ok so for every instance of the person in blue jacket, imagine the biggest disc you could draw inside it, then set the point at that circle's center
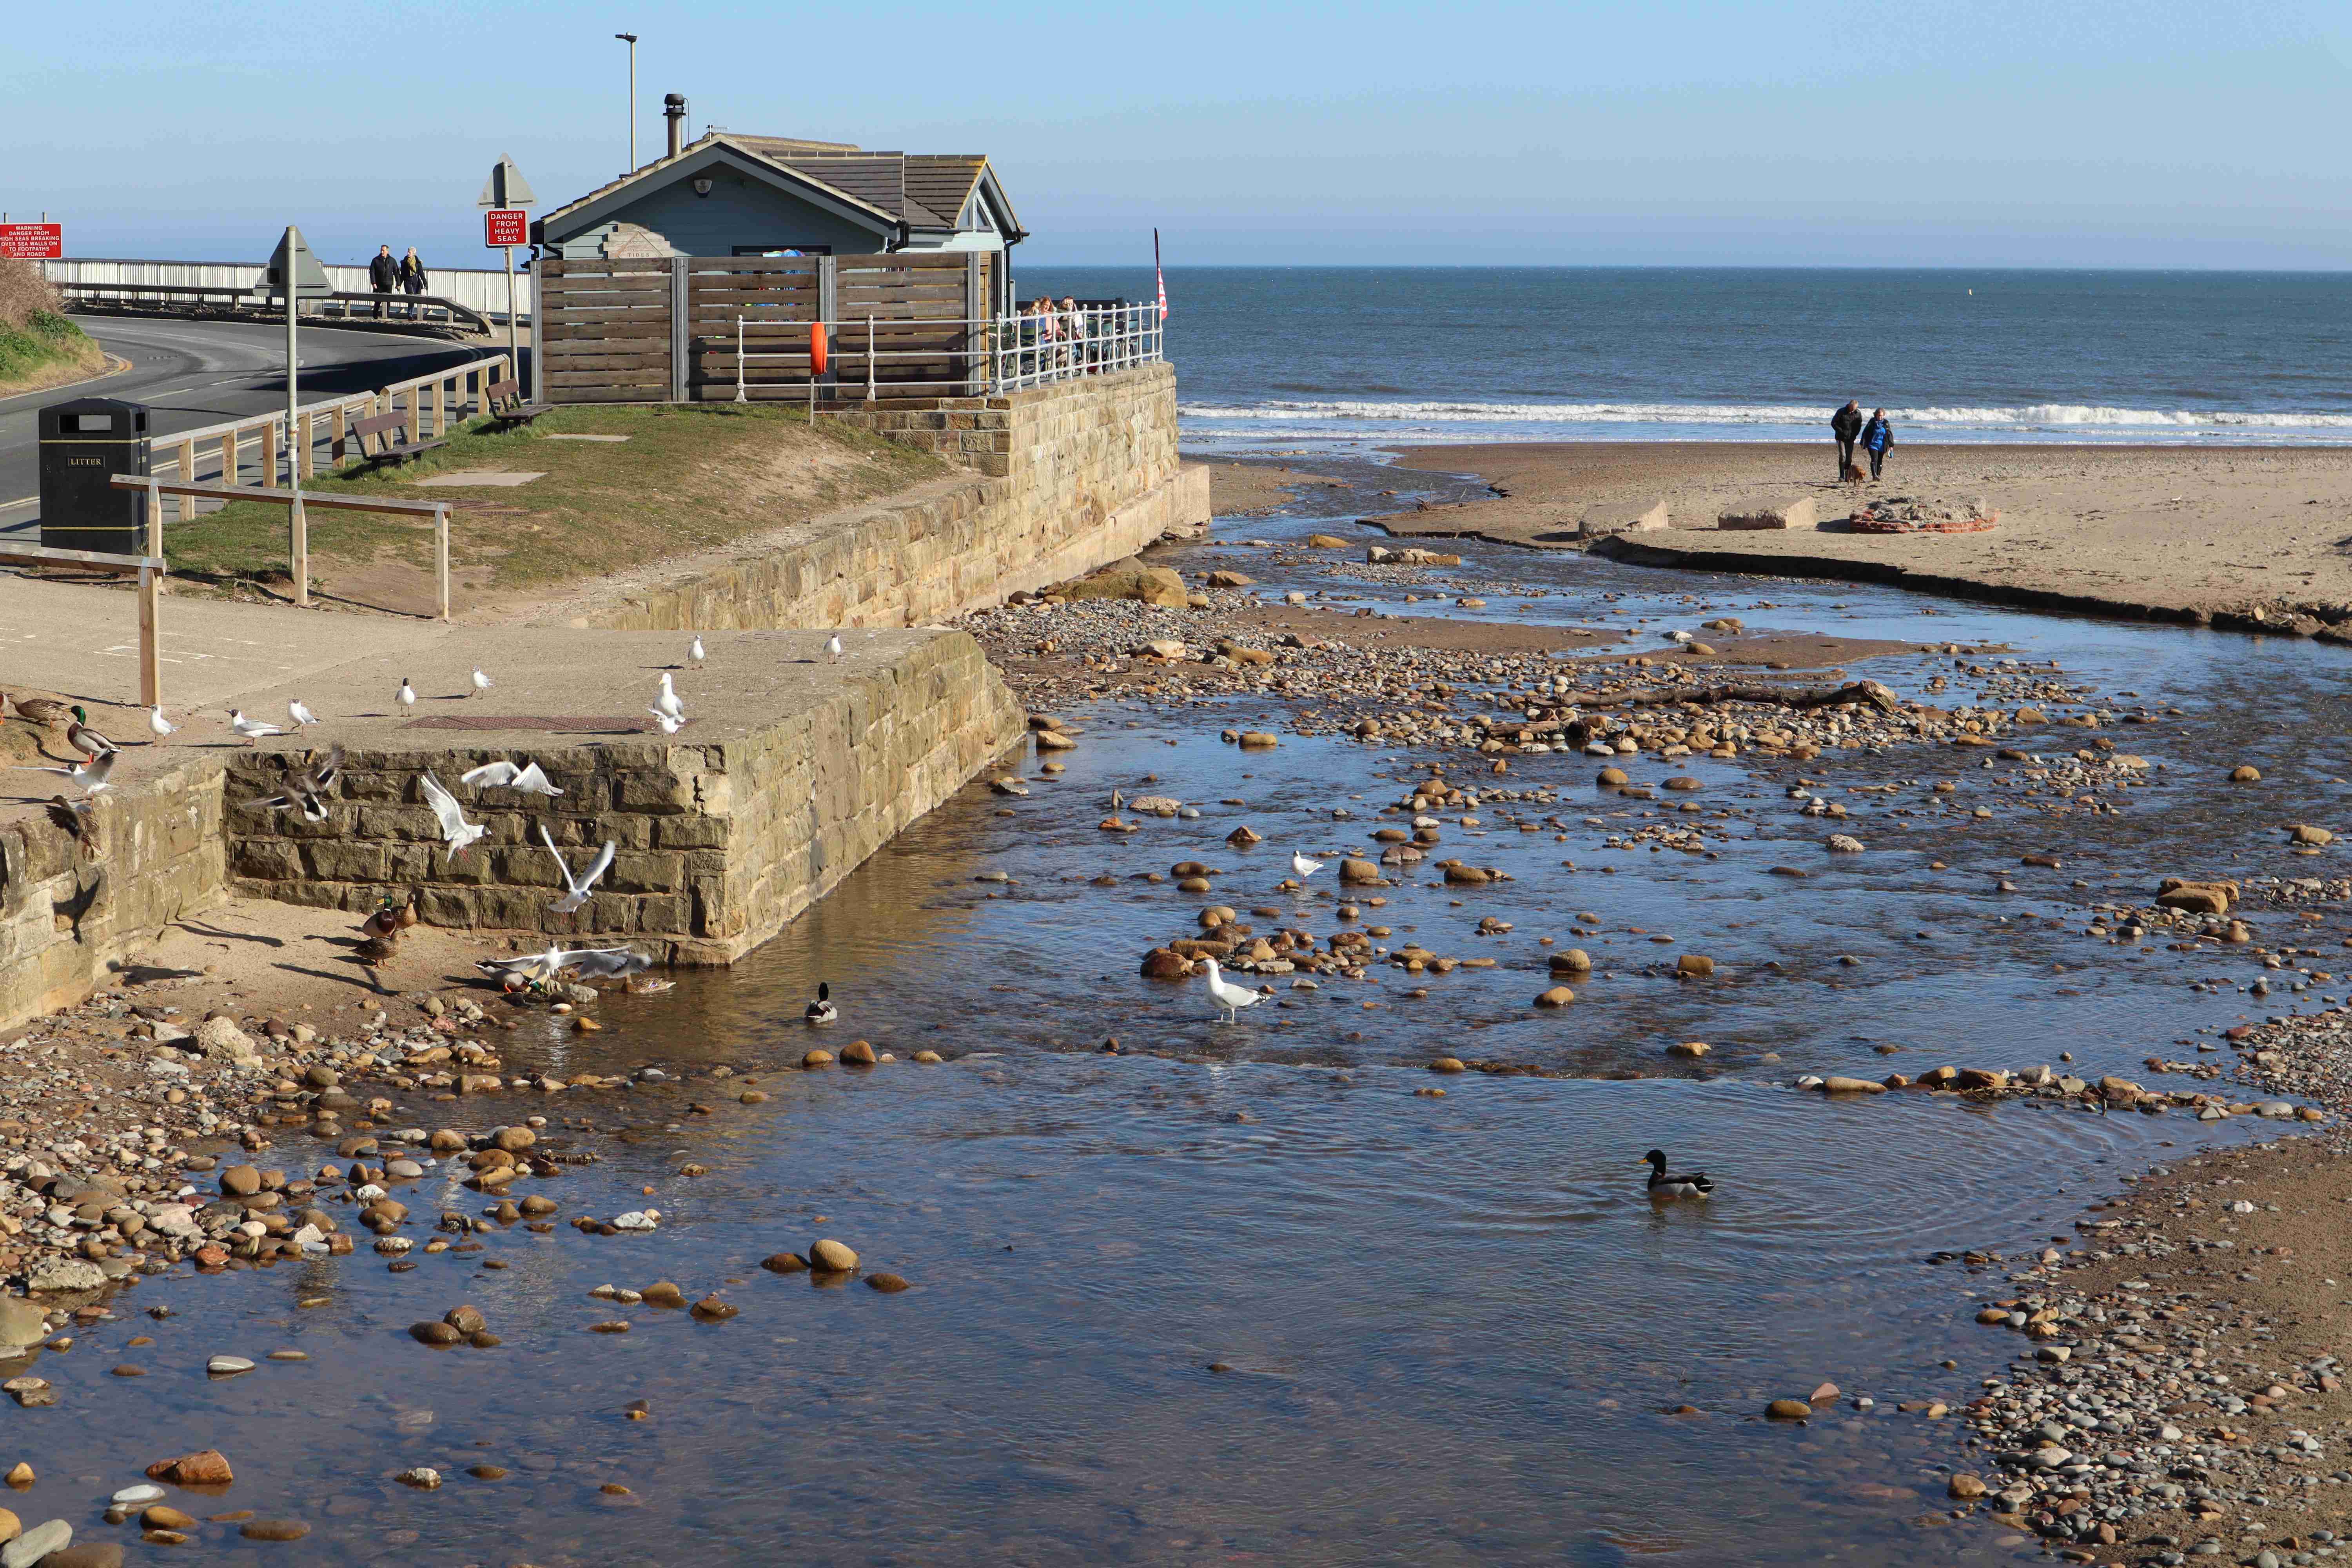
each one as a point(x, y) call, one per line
point(1876, 436)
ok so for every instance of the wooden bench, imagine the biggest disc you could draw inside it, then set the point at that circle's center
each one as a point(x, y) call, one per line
point(506, 407)
point(386, 429)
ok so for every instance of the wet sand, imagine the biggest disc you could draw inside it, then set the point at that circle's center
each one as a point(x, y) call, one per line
point(2165, 531)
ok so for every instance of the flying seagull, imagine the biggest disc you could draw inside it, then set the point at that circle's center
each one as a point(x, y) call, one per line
point(609, 963)
point(300, 711)
point(308, 789)
point(529, 778)
point(482, 682)
point(251, 728)
point(1229, 997)
point(456, 831)
point(90, 775)
point(575, 889)
point(556, 960)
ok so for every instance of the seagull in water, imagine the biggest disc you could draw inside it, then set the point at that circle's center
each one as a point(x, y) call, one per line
point(300, 711)
point(162, 727)
point(456, 831)
point(529, 778)
point(667, 702)
point(695, 653)
point(575, 889)
point(1303, 866)
point(1229, 997)
point(822, 1010)
point(833, 647)
point(481, 682)
point(407, 693)
point(251, 728)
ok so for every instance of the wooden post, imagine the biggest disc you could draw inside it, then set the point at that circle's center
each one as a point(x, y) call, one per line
point(269, 456)
point(310, 456)
point(184, 507)
point(440, 408)
point(441, 555)
point(229, 457)
point(150, 658)
point(337, 423)
point(298, 549)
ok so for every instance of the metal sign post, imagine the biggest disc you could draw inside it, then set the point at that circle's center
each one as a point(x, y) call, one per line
point(294, 272)
point(505, 225)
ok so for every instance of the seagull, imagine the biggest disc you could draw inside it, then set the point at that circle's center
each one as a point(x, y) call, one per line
point(1303, 866)
point(695, 653)
point(833, 647)
point(822, 1010)
point(575, 889)
point(300, 711)
point(90, 775)
point(1230, 997)
point(669, 726)
point(161, 726)
point(308, 789)
point(251, 728)
point(611, 963)
point(85, 740)
point(482, 682)
point(556, 960)
point(456, 831)
point(529, 778)
point(667, 702)
point(407, 693)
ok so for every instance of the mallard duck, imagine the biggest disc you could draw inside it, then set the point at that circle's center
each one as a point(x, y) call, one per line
point(83, 739)
point(822, 1010)
point(1693, 1186)
point(43, 709)
point(385, 922)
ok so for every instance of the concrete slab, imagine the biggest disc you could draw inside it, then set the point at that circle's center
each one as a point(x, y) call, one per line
point(489, 478)
point(552, 437)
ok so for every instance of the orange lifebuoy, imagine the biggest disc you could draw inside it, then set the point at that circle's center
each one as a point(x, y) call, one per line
point(818, 357)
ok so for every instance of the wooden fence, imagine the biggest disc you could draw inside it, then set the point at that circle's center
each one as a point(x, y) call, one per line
point(663, 329)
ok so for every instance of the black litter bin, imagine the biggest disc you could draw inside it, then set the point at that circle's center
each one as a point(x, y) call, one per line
point(84, 444)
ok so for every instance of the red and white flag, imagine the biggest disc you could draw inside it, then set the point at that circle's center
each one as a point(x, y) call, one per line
point(1158, 276)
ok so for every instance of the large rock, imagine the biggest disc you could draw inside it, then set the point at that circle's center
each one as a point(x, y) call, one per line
point(1758, 515)
point(2197, 898)
point(21, 1323)
point(222, 1038)
point(1621, 517)
point(1132, 579)
point(65, 1274)
point(204, 1468)
point(35, 1543)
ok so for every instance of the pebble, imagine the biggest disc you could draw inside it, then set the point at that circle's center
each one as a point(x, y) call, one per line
point(228, 1365)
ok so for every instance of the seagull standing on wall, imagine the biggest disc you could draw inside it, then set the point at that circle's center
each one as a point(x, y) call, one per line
point(481, 682)
point(300, 711)
point(667, 702)
point(164, 728)
point(407, 693)
point(833, 647)
point(251, 728)
point(694, 653)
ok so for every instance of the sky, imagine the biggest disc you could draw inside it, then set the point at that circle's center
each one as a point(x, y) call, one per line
point(2081, 133)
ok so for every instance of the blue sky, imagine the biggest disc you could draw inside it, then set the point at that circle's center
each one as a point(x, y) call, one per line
point(2003, 132)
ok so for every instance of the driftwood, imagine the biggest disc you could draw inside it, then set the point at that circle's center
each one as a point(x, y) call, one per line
point(1868, 694)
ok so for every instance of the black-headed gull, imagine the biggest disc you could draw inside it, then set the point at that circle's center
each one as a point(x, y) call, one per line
point(1303, 866)
point(833, 647)
point(251, 728)
point(576, 889)
point(90, 775)
point(693, 652)
point(162, 727)
point(407, 693)
point(529, 778)
point(456, 831)
point(300, 711)
point(482, 682)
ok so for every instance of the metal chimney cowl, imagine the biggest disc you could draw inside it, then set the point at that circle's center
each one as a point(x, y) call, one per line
point(674, 110)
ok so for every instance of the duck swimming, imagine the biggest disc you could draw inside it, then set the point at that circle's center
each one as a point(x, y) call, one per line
point(1662, 1185)
point(822, 1010)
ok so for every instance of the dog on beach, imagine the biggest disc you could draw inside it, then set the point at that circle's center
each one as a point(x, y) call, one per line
point(1854, 474)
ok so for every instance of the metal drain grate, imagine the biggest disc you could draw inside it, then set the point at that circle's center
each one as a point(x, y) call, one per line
point(589, 724)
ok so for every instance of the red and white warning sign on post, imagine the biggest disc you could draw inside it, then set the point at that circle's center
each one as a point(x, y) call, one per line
point(505, 226)
point(32, 241)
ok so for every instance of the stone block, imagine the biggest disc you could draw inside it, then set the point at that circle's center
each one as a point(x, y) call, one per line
point(1770, 515)
point(1622, 517)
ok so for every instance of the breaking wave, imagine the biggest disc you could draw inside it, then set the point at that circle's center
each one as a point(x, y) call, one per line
point(2031, 416)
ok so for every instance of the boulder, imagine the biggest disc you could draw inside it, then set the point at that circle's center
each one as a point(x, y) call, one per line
point(1571, 960)
point(204, 1468)
point(1132, 579)
point(2197, 898)
point(1834, 1084)
point(1695, 967)
point(1621, 517)
point(1763, 515)
point(1225, 578)
point(1326, 541)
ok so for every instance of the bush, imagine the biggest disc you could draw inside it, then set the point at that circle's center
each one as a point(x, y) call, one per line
point(27, 293)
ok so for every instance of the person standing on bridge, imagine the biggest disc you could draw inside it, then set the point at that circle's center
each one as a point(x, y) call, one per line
point(411, 277)
point(383, 275)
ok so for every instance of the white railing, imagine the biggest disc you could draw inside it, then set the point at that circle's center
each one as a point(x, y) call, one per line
point(482, 291)
point(972, 356)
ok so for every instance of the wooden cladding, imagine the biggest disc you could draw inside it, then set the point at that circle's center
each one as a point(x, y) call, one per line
point(664, 328)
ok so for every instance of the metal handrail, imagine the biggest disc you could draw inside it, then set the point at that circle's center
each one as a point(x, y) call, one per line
point(235, 296)
point(1001, 353)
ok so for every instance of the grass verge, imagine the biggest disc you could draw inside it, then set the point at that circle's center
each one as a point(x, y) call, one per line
point(47, 350)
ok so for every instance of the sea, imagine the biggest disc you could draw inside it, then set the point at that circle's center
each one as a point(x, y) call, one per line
point(1281, 356)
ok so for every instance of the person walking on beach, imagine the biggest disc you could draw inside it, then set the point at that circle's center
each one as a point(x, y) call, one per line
point(411, 277)
point(383, 275)
point(1846, 426)
point(1876, 436)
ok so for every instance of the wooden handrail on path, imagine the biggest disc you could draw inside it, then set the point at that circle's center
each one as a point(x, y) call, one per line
point(149, 569)
point(297, 564)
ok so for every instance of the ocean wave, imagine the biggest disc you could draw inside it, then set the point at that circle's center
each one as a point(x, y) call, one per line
point(2039, 415)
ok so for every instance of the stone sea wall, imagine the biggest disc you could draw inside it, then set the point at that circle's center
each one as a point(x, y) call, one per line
point(1067, 477)
point(721, 844)
point(156, 855)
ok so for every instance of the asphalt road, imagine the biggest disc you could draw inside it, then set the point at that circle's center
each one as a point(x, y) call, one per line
point(194, 374)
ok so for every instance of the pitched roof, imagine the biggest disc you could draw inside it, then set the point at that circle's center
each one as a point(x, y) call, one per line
point(926, 190)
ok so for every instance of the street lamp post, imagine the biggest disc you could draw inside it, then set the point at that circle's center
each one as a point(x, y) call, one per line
point(631, 39)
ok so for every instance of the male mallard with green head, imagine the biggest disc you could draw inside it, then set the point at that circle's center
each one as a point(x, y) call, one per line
point(1662, 1185)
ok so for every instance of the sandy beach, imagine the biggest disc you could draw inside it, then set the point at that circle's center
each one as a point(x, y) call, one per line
point(2170, 533)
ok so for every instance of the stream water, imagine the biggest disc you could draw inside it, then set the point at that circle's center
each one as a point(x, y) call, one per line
point(1241, 1295)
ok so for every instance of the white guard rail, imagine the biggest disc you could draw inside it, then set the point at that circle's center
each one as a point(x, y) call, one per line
point(999, 354)
point(482, 291)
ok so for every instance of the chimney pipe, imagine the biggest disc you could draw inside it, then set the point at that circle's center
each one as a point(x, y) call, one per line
point(674, 110)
